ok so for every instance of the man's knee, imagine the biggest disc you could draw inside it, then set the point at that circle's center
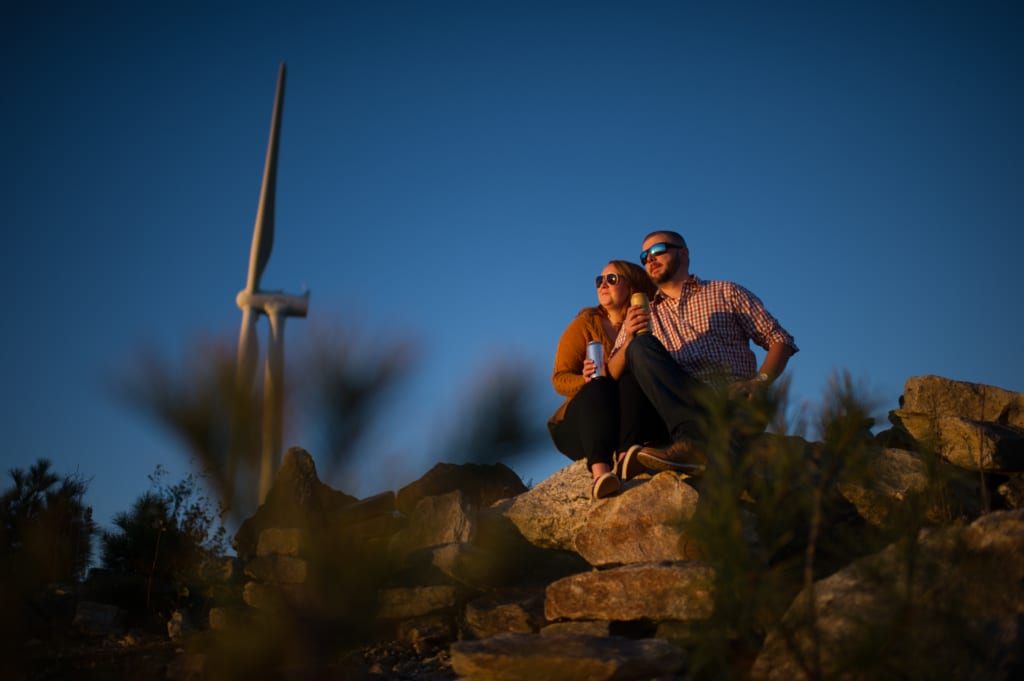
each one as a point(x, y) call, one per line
point(642, 349)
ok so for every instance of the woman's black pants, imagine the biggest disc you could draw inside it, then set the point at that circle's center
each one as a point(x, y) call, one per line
point(607, 416)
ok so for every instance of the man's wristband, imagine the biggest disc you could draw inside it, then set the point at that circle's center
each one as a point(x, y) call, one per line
point(762, 377)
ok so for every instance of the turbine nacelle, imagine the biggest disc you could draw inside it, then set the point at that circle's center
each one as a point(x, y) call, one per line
point(281, 303)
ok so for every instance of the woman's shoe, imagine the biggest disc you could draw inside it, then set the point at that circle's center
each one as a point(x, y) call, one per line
point(605, 486)
point(628, 466)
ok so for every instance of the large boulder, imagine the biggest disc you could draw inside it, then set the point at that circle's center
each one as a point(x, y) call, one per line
point(643, 524)
point(974, 426)
point(938, 396)
point(481, 484)
point(956, 616)
point(296, 499)
point(552, 513)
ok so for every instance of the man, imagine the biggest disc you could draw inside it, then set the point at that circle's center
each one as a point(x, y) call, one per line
point(700, 336)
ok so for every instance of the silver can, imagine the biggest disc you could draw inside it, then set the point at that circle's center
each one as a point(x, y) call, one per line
point(595, 353)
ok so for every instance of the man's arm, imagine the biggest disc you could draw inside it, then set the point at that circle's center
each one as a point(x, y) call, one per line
point(776, 359)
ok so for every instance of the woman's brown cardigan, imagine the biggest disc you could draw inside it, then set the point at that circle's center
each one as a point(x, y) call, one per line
point(572, 350)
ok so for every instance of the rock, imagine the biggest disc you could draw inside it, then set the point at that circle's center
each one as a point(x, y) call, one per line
point(972, 445)
point(186, 667)
point(467, 564)
point(283, 541)
point(585, 627)
point(551, 514)
point(974, 426)
point(223, 618)
point(481, 484)
point(511, 610)
point(99, 619)
point(429, 633)
point(402, 603)
point(566, 657)
point(275, 597)
point(669, 590)
point(179, 625)
point(1012, 491)
point(937, 396)
point(276, 569)
point(436, 520)
point(952, 626)
point(517, 561)
point(643, 524)
point(297, 499)
point(897, 475)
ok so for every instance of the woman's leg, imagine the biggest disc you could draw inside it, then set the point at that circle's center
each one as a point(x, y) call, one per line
point(590, 427)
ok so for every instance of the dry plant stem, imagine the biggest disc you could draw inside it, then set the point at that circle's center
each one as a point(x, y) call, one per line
point(152, 568)
point(812, 614)
point(985, 508)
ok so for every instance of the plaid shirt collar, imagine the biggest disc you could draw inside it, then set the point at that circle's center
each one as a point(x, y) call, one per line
point(693, 283)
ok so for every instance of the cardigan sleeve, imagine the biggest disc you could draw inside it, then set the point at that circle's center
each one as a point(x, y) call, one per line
point(572, 350)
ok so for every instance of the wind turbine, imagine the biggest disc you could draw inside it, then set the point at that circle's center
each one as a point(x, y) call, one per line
point(277, 306)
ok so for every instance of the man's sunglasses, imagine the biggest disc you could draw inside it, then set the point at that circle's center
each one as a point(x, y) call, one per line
point(612, 279)
point(656, 249)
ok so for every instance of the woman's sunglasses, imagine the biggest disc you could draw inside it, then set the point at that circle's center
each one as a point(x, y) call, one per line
point(656, 249)
point(612, 279)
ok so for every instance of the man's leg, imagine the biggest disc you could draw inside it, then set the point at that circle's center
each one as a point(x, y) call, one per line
point(639, 422)
point(672, 391)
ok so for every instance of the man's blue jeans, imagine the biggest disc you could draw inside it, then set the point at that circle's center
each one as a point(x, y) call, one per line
point(671, 390)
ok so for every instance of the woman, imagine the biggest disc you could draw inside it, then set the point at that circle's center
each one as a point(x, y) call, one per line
point(600, 415)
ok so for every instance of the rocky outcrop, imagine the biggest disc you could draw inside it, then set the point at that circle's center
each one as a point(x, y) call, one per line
point(517, 583)
point(941, 598)
point(976, 427)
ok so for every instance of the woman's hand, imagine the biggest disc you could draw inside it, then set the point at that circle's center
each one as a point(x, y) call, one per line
point(588, 369)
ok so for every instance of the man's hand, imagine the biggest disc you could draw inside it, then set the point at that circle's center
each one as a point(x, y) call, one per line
point(636, 319)
point(746, 390)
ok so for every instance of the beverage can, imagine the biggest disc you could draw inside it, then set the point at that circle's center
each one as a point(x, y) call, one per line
point(639, 299)
point(595, 353)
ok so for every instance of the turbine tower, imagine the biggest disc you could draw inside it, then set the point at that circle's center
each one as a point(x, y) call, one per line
point(277, 306)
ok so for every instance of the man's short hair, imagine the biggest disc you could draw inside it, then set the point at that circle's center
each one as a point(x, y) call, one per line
point(669, 233)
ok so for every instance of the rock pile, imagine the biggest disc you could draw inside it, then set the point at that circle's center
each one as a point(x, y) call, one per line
point(503, 582)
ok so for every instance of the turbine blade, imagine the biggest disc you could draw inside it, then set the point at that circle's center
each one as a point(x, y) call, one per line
point(263, 231)
point(248, 349)
point(241, 419)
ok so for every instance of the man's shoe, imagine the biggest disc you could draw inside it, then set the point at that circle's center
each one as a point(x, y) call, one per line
point(684, 456)
point(605, 486)
point(628, 466)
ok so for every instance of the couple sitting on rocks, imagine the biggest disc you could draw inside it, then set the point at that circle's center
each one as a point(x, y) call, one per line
point(642, 412)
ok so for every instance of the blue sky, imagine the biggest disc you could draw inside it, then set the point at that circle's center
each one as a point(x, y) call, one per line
point(455, 174)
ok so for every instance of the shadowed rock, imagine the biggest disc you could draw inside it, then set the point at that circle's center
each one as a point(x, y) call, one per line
point(296, 499)
point(482, 484)
point(566, 657)
point(853, 607)
point(672, 591)
point(896, 475)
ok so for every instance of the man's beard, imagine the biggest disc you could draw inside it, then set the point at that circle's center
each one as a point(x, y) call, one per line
point(667, 272)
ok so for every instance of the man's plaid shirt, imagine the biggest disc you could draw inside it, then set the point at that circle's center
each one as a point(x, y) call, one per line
point(707, 331)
